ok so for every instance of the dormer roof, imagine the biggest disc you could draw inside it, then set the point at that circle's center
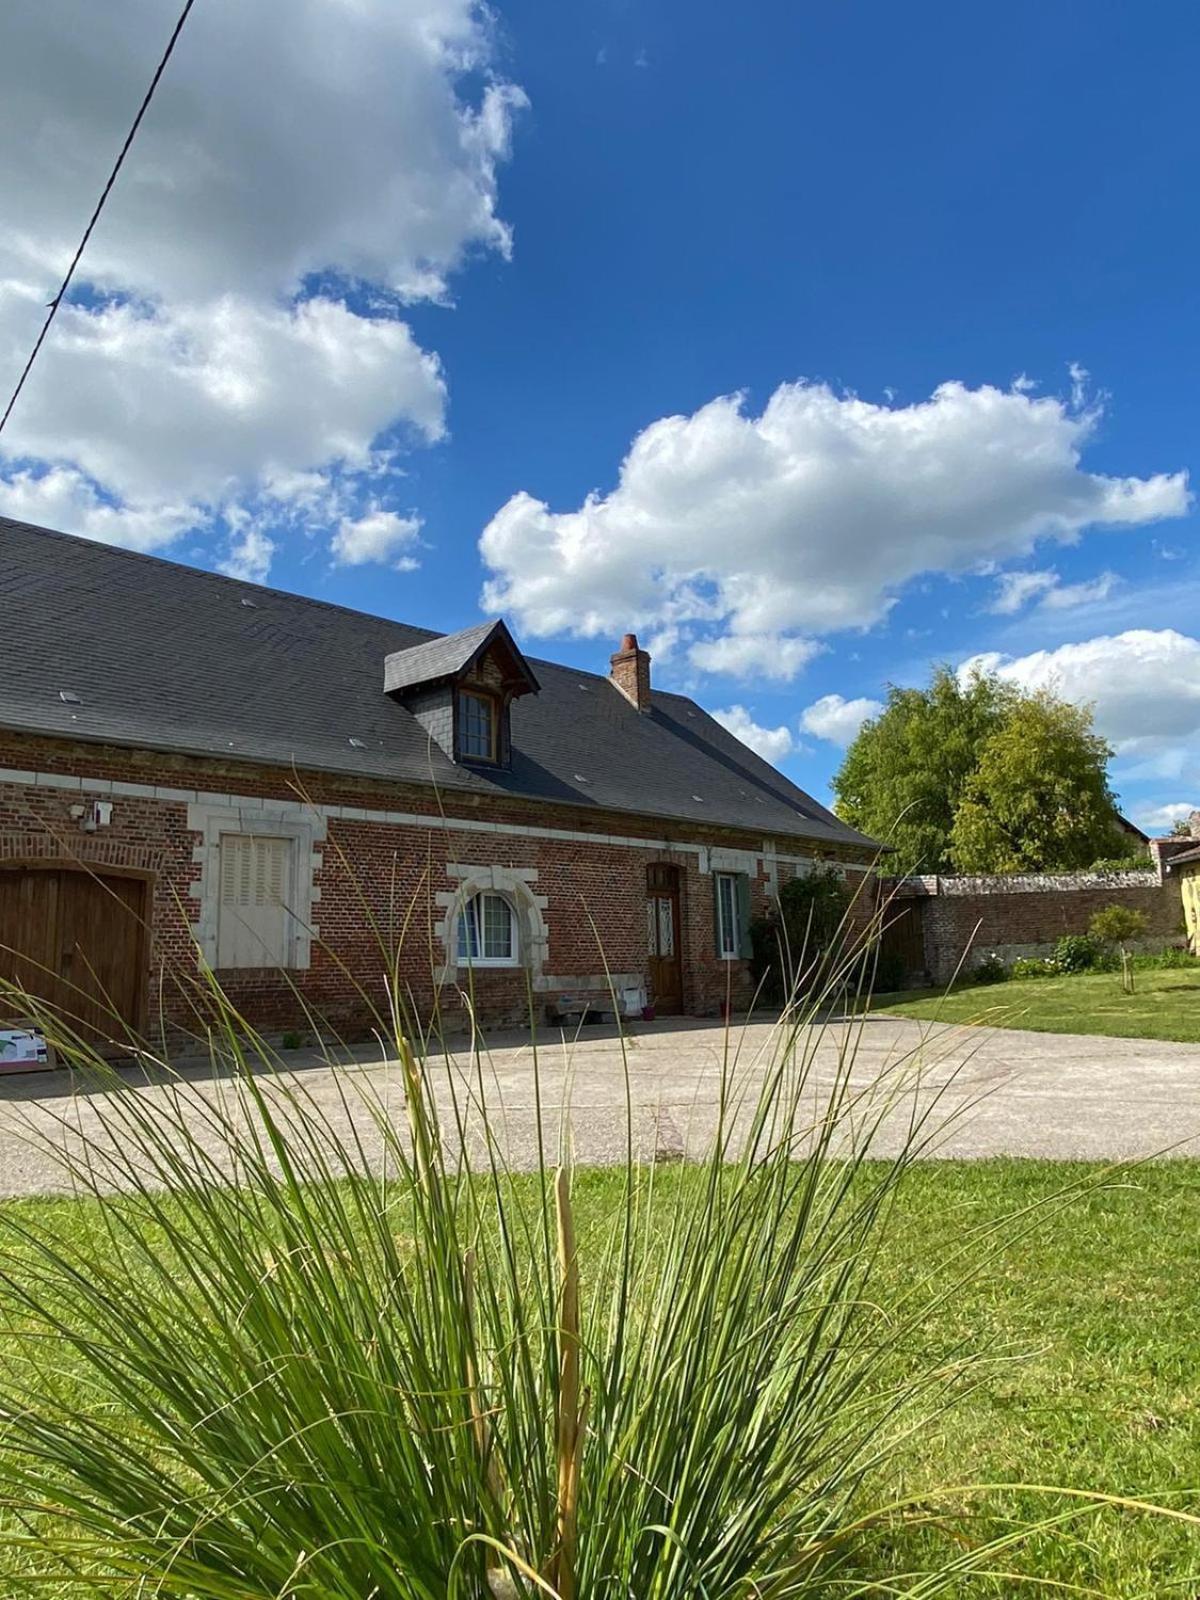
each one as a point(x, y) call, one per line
point(453, 655)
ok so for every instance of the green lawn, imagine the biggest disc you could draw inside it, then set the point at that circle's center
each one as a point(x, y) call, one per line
point(1166, 1005)
point(1091, 1320)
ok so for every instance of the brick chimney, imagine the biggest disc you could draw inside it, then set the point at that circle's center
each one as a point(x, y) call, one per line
point(631, 672)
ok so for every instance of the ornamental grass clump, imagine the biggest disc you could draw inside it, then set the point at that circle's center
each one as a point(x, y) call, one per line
point(326, 1346)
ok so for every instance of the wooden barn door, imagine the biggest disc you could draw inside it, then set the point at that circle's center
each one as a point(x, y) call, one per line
point(662, 935)
point(77, 942)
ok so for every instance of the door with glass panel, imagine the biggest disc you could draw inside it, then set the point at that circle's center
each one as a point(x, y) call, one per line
point(663, 938)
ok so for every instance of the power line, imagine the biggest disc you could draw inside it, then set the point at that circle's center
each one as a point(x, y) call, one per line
point(87, 233)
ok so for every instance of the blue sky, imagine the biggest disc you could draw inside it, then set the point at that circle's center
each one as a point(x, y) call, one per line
point(511, 255)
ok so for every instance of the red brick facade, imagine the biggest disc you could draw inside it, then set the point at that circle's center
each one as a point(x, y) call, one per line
point(384, 886)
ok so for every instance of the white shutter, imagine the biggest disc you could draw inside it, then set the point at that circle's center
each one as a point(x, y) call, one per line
point(254, 929)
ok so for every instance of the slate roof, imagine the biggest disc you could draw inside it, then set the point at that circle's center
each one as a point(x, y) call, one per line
point(167, 657)
point(1185, 858)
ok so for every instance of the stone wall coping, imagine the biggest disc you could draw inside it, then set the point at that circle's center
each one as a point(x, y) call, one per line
point(1026, 883)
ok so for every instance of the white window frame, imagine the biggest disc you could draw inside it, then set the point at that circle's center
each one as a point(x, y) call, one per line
point(728, 934)
point(463, 956)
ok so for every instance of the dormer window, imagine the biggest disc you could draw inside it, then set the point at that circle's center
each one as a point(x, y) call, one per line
point(460, 689)
point(478, 719)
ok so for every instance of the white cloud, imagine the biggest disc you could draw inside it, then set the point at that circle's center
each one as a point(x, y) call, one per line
point(834, 718)
point(1014, 590)
point(379, 536)
point(1144, 685)
point(241, 329)
point(191, 400)
point(63, 498)
point(250, 554)
point(754, 655)
point(809, 517)
point(772, 744)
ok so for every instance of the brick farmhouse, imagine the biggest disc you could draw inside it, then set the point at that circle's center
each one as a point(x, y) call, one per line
point(198, 773)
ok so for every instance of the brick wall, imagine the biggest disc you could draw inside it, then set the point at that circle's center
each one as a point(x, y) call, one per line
point(382, 888)
point(1026, 916)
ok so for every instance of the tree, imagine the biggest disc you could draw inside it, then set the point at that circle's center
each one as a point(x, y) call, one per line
point(1118, 925)
point(903, 777)
point(1038, 799)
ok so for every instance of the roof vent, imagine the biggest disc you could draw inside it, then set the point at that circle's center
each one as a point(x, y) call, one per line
point(358, 744)
point(69, 697)
point(250, 605)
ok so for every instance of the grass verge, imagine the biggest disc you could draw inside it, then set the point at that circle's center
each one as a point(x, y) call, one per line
point(1166, 1005)
point(1095, 1379)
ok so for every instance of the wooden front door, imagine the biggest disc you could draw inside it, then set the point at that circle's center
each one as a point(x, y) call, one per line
point(662, 936)
point(76, 942)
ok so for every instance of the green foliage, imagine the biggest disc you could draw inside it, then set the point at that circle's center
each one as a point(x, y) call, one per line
point(1173, 958)
point(1038, 799)
point(1078, 952)
point(979, 776)
point(1117, 925)
point(1136, 861)
point(792, 945)
point(1035, 967)
point(990, 968)
point(902, 778)
point(290, 1041)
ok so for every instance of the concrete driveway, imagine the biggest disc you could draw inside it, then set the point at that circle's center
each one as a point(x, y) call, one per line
point(988, 1092)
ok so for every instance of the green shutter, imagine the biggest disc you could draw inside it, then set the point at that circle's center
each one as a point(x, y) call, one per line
point(716, 934)
point(742, 883)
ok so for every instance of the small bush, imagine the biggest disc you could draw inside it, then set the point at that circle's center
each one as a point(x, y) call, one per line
point(1139, 863)
point(1036, 967)
point(290, 1041)
point(1077, 952)
point(1117, 925)
point(1173, 958)
point(990, 968)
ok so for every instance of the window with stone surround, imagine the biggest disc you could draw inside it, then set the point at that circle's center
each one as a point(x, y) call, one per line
point(487, 932)
point(254, 924)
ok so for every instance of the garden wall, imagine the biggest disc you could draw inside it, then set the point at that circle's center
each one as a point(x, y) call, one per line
point(1025, 916)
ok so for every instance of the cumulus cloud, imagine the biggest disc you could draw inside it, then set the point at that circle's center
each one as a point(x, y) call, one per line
point(809, 517)
point(770, 743)
point(1014, 590)
point(381, 536)
point(834, 718)
point(239, 327)
point(1143, 684)
point(754, 655)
